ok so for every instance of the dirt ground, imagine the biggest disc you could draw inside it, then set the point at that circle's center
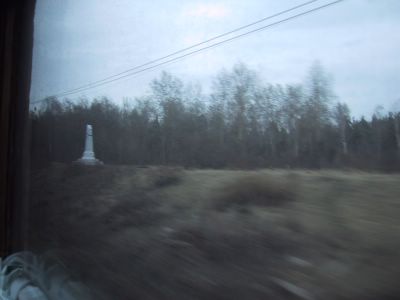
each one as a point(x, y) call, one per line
point(170, 233)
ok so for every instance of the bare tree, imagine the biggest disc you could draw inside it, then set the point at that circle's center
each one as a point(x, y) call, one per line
point(341, 115)
point(292, 107)
point(396, 120)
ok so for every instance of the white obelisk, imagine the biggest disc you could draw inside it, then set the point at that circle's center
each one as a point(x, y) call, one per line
point(88, 157)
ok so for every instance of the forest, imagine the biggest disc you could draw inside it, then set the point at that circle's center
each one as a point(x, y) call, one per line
point(242, 122)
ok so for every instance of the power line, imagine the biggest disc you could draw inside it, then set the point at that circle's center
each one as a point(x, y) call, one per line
point(195, 45)
point(121, 76)
point(182, 50)
point(207, 47)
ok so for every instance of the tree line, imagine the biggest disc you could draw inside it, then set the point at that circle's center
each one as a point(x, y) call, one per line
point(242, 122)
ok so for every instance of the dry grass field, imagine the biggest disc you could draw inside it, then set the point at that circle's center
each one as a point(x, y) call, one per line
point(170, 233)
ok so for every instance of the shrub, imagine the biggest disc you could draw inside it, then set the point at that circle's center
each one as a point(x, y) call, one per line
point(165, 176)
point(133, 208)
point(231, 238)
point(260, 190)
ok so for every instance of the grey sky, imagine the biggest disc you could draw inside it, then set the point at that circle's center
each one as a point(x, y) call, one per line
point(357, 41)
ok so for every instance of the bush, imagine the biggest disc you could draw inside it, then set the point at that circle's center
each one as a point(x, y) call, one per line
point(134, 208)
point(165, 176)
point(260, 190)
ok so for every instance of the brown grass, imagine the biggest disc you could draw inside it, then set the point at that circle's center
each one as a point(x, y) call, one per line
point(333, 234)
point(258, 190)
point(164, 176)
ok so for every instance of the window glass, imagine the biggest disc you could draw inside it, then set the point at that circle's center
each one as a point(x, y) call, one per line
point(217, 150)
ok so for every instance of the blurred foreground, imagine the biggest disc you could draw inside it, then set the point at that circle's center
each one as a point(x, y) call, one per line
point(169, 233)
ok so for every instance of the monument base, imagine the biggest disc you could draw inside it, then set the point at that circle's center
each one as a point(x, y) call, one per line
point(89, 162)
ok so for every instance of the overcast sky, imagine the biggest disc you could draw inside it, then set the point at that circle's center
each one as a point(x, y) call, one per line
point(357, 42)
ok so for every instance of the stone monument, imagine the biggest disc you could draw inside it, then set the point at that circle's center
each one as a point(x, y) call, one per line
point(88, 157)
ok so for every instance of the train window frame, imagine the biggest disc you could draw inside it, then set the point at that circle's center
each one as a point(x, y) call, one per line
point(16, 48)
